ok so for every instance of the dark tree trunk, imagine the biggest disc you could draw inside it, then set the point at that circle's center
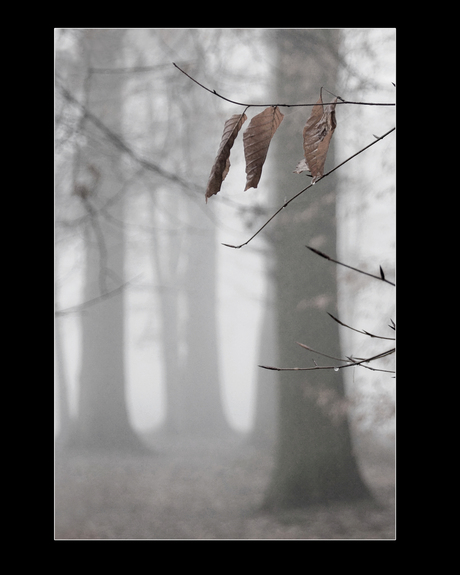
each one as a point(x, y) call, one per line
point(314, 458)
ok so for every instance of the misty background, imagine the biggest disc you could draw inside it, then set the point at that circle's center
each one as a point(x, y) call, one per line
point(139, 263)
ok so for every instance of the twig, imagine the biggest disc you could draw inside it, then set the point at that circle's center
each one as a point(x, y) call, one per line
point(360, 331)
point(89, 303)
point(381, 277)
point(133, 69)
point(349, 359)
point(308, 187)
point(336, 367)
point(342, 101)
point(320, 353)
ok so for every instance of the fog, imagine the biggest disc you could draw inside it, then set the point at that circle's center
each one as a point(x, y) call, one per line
point(168, 231)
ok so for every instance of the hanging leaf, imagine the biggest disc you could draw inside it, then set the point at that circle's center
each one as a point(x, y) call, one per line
point(221, 165)
point(256, 140)
point(317, 136)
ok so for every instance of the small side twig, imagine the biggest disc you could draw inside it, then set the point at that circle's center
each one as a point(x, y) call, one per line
point(308, 348)
point(349, 359)
point(359, 330)
point(98, 299)
point(325, 256)
point(337, 367)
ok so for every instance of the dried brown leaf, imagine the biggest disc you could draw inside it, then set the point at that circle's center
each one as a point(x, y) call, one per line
point(256, 140)
point(317, 136)
point(221, 165)
point(302, 166)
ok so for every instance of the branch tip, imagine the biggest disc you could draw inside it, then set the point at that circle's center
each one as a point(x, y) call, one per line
point(234, 247)
point(268, 367)
point(318, 252)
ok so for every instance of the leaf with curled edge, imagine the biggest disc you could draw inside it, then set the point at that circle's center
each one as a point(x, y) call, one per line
point(317, 135)
point(256, 140)
point(221, 164)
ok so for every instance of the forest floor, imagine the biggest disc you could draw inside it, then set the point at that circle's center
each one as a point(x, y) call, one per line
point(207, 490)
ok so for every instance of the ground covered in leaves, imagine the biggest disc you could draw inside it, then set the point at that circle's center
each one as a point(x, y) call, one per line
point(206, 490)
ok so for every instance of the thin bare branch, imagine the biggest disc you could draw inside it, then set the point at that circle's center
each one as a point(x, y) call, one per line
point(320, 353)
point(360, 331)
point(342, 101)
point(307, 188)
point(347, 360)
point(123, 146)
point(189, 187)
point(337, 367)
point(325, 256)
point(89, 303)
point(132, 69)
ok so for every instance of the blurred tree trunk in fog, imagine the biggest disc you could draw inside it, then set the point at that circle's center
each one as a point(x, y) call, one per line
point(64, 421)
point(264, 431)
point(166, 247)
point(186, 262)
point(166, 254)
point(102, 420)
point(314, 460)
point(203, 412)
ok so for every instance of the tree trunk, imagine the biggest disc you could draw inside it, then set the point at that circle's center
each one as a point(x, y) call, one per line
point(204, 413)
point(264, 431)
point(103, 421)
point(171, 342)
point(194, 402)
point(64, 421)
point(314, 460)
